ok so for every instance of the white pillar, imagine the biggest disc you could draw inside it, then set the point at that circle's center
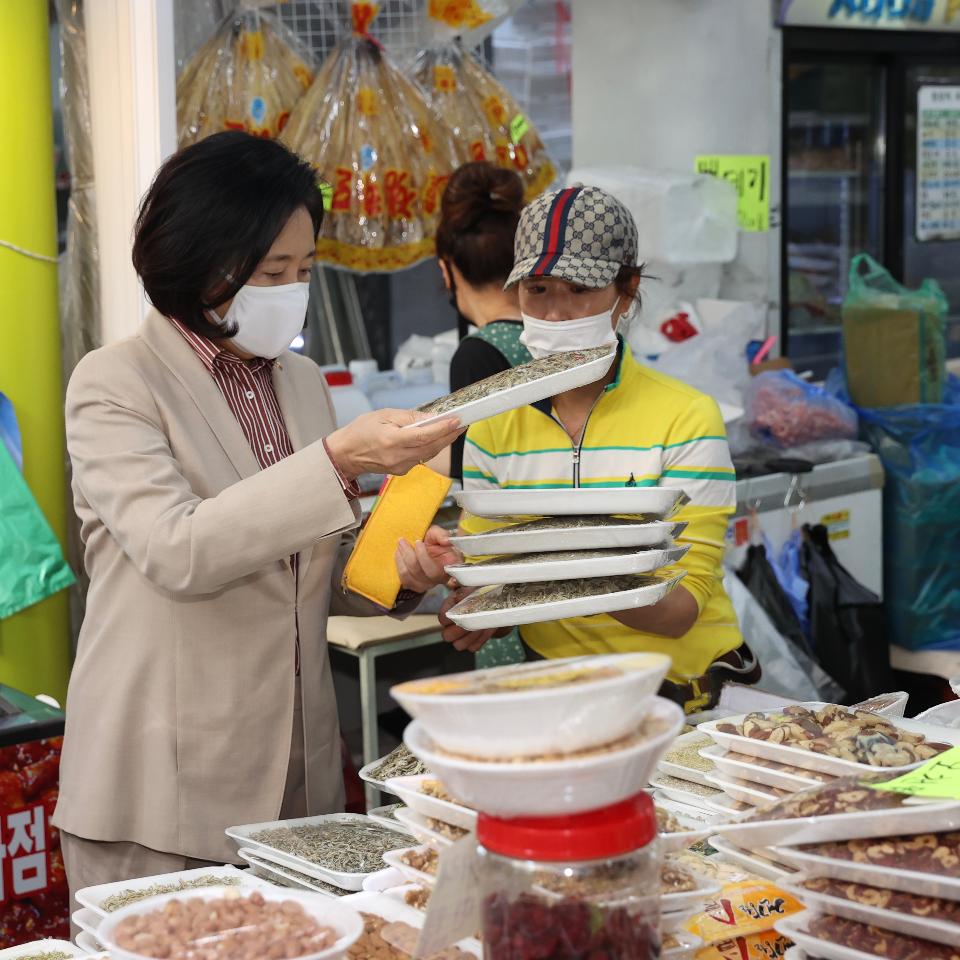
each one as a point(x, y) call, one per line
point(132, 73)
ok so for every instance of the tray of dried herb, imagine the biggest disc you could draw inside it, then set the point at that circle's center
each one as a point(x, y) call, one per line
point(520, 385)
point(650, 503)
point(550, 534)
point(339, 848)
point(564, 565)
point(42, 950)
point(518, 603)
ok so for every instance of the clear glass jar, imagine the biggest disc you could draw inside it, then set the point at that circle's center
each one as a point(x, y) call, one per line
point(571, 888)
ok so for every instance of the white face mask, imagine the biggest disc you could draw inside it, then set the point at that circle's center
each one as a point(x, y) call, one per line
point(545, 337)
point(267, 319)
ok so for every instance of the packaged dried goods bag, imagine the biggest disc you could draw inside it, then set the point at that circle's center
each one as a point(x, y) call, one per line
point(247, 76)
point(485, 120)
point(382, 150)
point(743, 909)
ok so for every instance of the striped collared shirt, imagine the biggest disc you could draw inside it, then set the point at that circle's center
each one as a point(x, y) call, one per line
point(247, 386)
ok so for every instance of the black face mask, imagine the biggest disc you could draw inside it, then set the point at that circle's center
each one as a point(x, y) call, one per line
point(463, 323)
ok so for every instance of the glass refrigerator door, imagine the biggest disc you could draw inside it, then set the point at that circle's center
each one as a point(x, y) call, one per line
point(931, 183)
point(834, 197)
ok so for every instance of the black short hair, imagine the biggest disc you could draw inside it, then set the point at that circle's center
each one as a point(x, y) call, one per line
point(211, 215)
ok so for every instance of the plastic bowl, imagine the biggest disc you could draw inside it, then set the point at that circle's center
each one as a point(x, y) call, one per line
point(329, 913)
point(535, 720)
point(553, 787)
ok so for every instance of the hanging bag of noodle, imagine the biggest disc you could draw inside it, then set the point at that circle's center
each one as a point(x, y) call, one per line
point(248, 76)
point(486, 122)
point(384, 153)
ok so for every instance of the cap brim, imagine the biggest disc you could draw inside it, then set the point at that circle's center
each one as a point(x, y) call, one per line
point(584, 271)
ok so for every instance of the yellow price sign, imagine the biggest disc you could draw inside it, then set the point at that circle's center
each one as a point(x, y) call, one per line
point(750, 176)
point(938, 778)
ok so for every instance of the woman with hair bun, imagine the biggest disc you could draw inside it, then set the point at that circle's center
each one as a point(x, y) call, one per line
point(478, 220)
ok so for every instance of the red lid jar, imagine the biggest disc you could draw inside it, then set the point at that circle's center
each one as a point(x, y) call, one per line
point(566, 888)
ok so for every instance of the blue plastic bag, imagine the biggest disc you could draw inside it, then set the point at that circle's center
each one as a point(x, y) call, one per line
point(10, 431)
point(920, 449)
point(789, 570)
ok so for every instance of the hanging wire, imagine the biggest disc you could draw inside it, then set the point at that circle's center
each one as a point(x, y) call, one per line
point(28, 253)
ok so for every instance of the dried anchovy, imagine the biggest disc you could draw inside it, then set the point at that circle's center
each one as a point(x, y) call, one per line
point(398, 763)
point(515, 377)
point(125, 897)
point(570, 523)
point(531, 594)
point(344, 847)
point(52, 955)
point(689, 756)
point(545, 557)
point(390, 812)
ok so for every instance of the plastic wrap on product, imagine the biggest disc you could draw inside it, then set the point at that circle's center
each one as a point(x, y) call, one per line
point(486, 122)
point(385, 155)
point(248, 76)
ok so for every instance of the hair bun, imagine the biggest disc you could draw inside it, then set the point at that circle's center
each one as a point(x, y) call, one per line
point(478, 190)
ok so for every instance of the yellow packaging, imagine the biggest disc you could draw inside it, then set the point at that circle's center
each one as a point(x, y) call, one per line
point(743, 909)
point(768, 945)
point(405, 509)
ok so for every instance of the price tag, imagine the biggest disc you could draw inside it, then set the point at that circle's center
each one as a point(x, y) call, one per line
point(750, 176)
point(937, 778)
point(326, 191)
point(453, 912)
point(519, 127)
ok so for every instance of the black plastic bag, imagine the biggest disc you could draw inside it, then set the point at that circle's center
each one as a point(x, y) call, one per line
point(847, 623)
point(760, 579)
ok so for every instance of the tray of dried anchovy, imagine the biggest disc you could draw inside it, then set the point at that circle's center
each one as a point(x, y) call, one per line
point(550, 534)
point(517, 603)
point(520, 385)
point(107, 898)
point(651, 503)
point(398, 763)
point(340, 848)
point(42, 950)
point(564, 565)
point(279, 875)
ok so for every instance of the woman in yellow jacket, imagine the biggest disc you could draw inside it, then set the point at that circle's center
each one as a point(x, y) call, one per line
point(576, 267)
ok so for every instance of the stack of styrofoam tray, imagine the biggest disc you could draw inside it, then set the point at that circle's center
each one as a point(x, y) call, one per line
point(746, 791)
point(387, 816)
point(89, 945)
point(681, 772)
point(646, 568)
point(762, 862)
point(677, 908)
point(410, 790)
point(764, 773)
point(396, 859)
point(277, 875)
point(686, 948)
point(244, 836)
point(429, 830)
point(697, 824)
point(693, 794)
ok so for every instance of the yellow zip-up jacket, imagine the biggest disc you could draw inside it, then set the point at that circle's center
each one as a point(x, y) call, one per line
point(659, 432)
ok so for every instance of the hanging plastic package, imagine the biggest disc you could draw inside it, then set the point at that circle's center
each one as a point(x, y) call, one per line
point(847, 624)
point(486, 122)
point(384, 153)
point(248, 76)
point(893, 338)
point(788, 567)
point(32, 567)
point(785, 411)
point(919, 446)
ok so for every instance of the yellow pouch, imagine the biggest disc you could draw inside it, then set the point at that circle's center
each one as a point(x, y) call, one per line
point(404, 510)
point(743, 909)
point(760, 946)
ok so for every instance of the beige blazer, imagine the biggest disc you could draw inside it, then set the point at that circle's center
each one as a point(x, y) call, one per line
point(181, 699)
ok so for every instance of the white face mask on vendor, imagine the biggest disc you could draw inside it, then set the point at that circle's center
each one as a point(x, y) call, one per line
point(545, 337)
point(267, 319)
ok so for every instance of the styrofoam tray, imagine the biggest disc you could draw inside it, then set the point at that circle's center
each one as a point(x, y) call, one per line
point(795, 953)
point(873, 875)
point(690, 900)
point(512, 398)
point(907, 819)
point(675, 769)
point(657, 533)
point(379, 814)
point(679, 795)
point(93, 897)
point(926, 928)
point(384, 880)
point(894, 704)
point(394, 859)
point(795, 927)
point(728, 808)
point(42, 946)
point(346, 881)
point(807, 760)
point(752, 860)
point(393, 910)
point(87, 920)
point(744, 791)
point(539, 571)
point(644, 596)
point(660, 503)
point(417, 825)
point(408, 790)
point(86, 943)
point(303, 882)
point(699, 825)
point(738, 765)
point(689, 945)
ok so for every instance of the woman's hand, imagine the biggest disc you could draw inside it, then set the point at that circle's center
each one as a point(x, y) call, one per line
point(421, 564)
point(377, 443)
point(460, 639)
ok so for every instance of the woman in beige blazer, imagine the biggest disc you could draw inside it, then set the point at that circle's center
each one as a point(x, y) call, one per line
point(213, 488)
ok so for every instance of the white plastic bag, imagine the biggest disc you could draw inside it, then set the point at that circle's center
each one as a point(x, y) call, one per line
point(787, 670)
